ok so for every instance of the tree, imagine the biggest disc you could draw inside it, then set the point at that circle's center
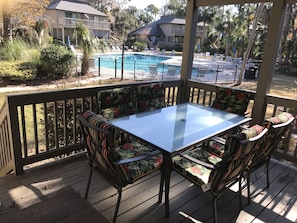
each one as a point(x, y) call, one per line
point(125, 22)
point(288, 53)
point(251, 40)
point(88, 44)
point(15, 13)
point(43, 28)
point(152, 10)
point(177, 7)
point(205, 15)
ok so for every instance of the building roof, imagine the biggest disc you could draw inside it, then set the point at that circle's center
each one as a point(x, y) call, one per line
point(153, 29)
point(171, 19)
point(74, 6)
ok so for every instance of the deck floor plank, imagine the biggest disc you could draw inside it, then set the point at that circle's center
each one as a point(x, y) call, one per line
point(139, 201)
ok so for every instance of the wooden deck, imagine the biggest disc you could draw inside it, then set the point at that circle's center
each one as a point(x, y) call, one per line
point(187, 202)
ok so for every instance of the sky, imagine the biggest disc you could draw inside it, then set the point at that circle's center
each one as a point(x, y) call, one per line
point(140, 4)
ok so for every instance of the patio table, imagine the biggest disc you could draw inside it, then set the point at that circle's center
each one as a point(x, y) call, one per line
point(176, 128)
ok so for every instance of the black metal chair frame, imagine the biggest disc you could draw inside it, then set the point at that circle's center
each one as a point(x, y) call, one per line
point(115, 181)
point(265, 161)
point(255, 142)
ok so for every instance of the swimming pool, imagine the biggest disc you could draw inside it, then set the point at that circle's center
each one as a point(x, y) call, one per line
point(141, 66)
point(132, 62)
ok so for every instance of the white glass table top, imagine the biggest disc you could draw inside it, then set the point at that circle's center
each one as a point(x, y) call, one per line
point(176, 127)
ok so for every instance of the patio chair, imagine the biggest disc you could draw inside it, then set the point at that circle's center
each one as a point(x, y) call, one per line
point(153, 72)
point(115, 103)
point(150, 97)
point(171, 73)
point(216, 174)
point(277, 127)
point(119, 164)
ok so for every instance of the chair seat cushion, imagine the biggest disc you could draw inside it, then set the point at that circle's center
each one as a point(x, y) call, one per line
point(197, 173)
point(135, 170)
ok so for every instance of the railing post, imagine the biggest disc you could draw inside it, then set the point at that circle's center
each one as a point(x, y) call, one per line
point(14, 128)
point(76, 63)
point(122, 70)
point(115, 68)
point(99, 67)
point(134, 68)
point(235, 73)
point(217, 74)
point(162, 70)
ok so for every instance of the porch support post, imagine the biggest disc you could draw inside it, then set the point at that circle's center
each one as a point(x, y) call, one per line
point(270, 52)
point(188, 46)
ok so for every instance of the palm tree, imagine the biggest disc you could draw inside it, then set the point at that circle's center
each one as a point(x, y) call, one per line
point(43, 28)
point(88, 44)
point(251, 40)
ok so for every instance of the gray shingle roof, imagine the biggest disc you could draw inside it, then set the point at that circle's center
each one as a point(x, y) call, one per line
point(171, 19)
point(74, 6)
point(153, 29)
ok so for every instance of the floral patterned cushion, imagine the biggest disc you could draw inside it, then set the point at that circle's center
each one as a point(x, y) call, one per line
point(231, 100)
point(150, 97)
point(116, 103)
point(107, 154)
point(198, 172)
point(135, 170)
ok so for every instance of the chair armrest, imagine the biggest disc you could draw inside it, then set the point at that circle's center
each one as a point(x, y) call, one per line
point(218, 139)
point(213, 151)
point(208, 165)
point(138, 158)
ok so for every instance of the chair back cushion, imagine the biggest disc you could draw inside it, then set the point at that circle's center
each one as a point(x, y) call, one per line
point(150, 97)
point(116, 102)
point(100, 138)
point(231, 100)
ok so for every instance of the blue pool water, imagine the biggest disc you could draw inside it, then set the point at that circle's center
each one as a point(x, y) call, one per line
point(132, 61)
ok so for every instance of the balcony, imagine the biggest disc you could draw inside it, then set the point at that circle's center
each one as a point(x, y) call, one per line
point(23, 144)
point(93, 25)
point(36, 127)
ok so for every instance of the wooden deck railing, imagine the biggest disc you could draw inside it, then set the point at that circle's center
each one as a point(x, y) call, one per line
point(6, 153)
point(38, 126)
point(42, 125)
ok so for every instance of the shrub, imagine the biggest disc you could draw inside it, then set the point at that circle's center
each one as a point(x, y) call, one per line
point(17, 70)
point(17, 49)
point(55, 61)
point(140, 45)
